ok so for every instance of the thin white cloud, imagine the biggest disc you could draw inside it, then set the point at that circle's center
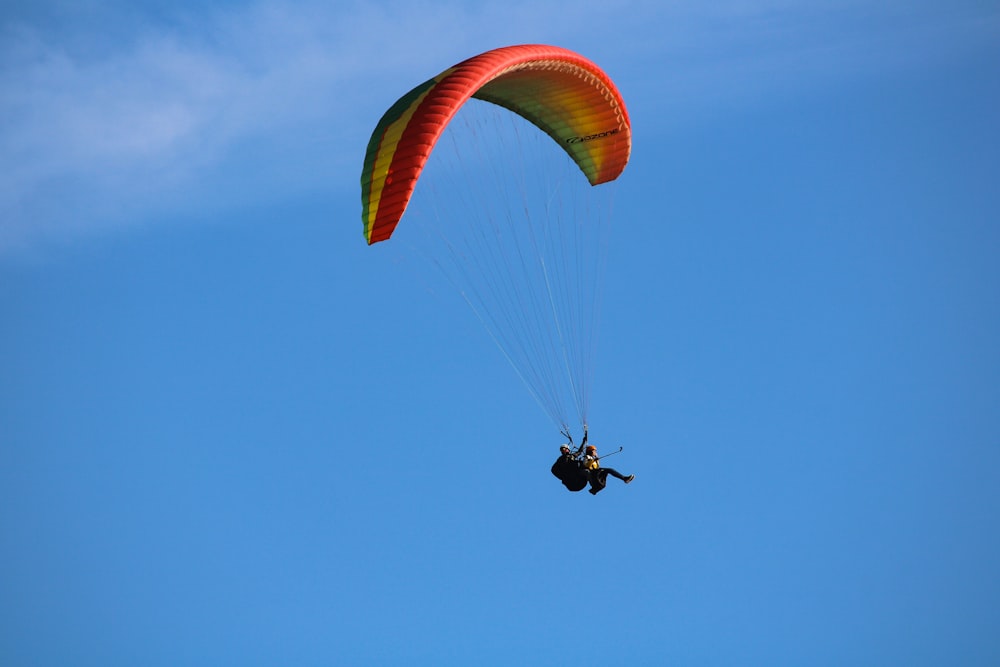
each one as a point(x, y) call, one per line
point(213, 110)
point(743, 51)
point(95, 136)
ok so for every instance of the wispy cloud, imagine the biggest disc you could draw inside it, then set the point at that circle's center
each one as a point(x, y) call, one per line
point(181, 111)
point(711, 56)
point(95, 136)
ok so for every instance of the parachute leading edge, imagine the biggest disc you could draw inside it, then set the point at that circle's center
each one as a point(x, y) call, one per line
point(567, 96)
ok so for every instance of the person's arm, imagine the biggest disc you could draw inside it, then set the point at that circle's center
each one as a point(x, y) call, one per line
point(579, 450)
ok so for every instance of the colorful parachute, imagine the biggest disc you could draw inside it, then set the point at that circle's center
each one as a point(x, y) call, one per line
point(498, 143)
point(567, 96)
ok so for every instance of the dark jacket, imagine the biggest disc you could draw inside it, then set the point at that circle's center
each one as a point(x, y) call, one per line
point(570, 472)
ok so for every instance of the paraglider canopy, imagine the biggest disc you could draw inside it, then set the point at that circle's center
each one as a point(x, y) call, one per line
point(567, 96)
point(522, 235)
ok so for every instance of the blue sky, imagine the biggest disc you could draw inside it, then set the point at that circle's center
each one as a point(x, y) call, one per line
point(231, 433)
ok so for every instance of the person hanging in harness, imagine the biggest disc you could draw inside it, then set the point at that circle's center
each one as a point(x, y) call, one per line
point(598, 475)
point(568, 468)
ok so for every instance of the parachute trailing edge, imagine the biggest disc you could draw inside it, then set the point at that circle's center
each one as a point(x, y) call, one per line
point(564, 94)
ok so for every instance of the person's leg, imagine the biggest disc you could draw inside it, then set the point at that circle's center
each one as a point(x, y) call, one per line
point(614, 473)
point(598, 480)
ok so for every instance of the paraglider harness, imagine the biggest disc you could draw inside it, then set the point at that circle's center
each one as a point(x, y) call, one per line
point(569, 468)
